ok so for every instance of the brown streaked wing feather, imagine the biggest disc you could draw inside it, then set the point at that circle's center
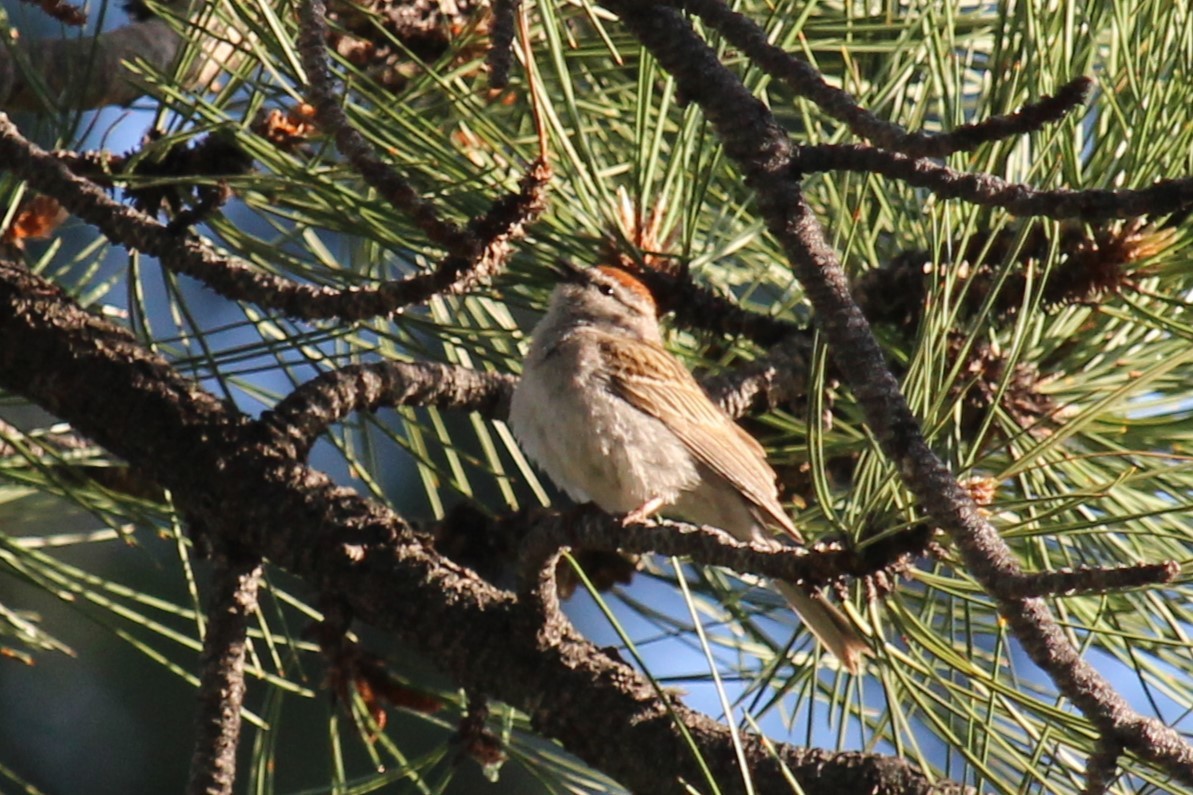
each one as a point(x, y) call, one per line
point(663, 388)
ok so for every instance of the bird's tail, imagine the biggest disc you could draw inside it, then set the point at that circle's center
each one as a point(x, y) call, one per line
point(828, 624)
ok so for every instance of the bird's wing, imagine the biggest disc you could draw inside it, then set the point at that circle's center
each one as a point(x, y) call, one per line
point(657, 383)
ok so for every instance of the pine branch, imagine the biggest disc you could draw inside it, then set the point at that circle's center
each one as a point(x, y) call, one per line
point(313, 407)
point(229, 478)
point(802, 78)
point(762, 151)
point(1162, 197)
point(240, 280)
point(221, 685)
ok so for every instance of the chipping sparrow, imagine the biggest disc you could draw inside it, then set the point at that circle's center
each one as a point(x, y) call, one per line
point(616, 419)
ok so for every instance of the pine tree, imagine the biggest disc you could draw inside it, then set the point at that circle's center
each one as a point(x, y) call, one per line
point(935, 256)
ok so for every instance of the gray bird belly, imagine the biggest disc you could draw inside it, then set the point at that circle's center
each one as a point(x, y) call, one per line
point(597, 447)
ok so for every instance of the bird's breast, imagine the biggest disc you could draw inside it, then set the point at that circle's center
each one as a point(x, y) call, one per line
point(590, 441)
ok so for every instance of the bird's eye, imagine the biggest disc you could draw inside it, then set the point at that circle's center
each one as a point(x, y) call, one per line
point(605, 289)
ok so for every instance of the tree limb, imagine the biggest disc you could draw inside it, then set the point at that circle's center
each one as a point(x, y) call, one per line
point(233, 483)
point(240, 280)
point(764, 153)
point(221, 685)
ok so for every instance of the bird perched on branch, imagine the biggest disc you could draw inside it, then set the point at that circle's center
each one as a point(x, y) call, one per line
point(616, 419)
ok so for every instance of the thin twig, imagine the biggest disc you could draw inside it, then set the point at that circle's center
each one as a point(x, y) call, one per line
point(474, 252)
point(587, 528)
point(476, 740)
point(501, 37)
point(240, 280)
point(770, 381)
point(532, 83)
point(504, 222)
point(696, 306)
point(1088, 580)
point(1102, 766)
point(802, 78)
point(326, 98)
point(1163, 196)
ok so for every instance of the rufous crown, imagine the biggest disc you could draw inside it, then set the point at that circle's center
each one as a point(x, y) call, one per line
point(629, 281)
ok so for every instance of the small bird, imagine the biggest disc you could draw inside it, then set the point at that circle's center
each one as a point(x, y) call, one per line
point(615, 419)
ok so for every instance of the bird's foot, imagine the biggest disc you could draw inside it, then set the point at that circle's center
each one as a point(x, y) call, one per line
point(642, 512)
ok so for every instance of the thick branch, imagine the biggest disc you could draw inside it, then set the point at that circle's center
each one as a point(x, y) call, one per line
point(310, 409)
point(228, 478)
